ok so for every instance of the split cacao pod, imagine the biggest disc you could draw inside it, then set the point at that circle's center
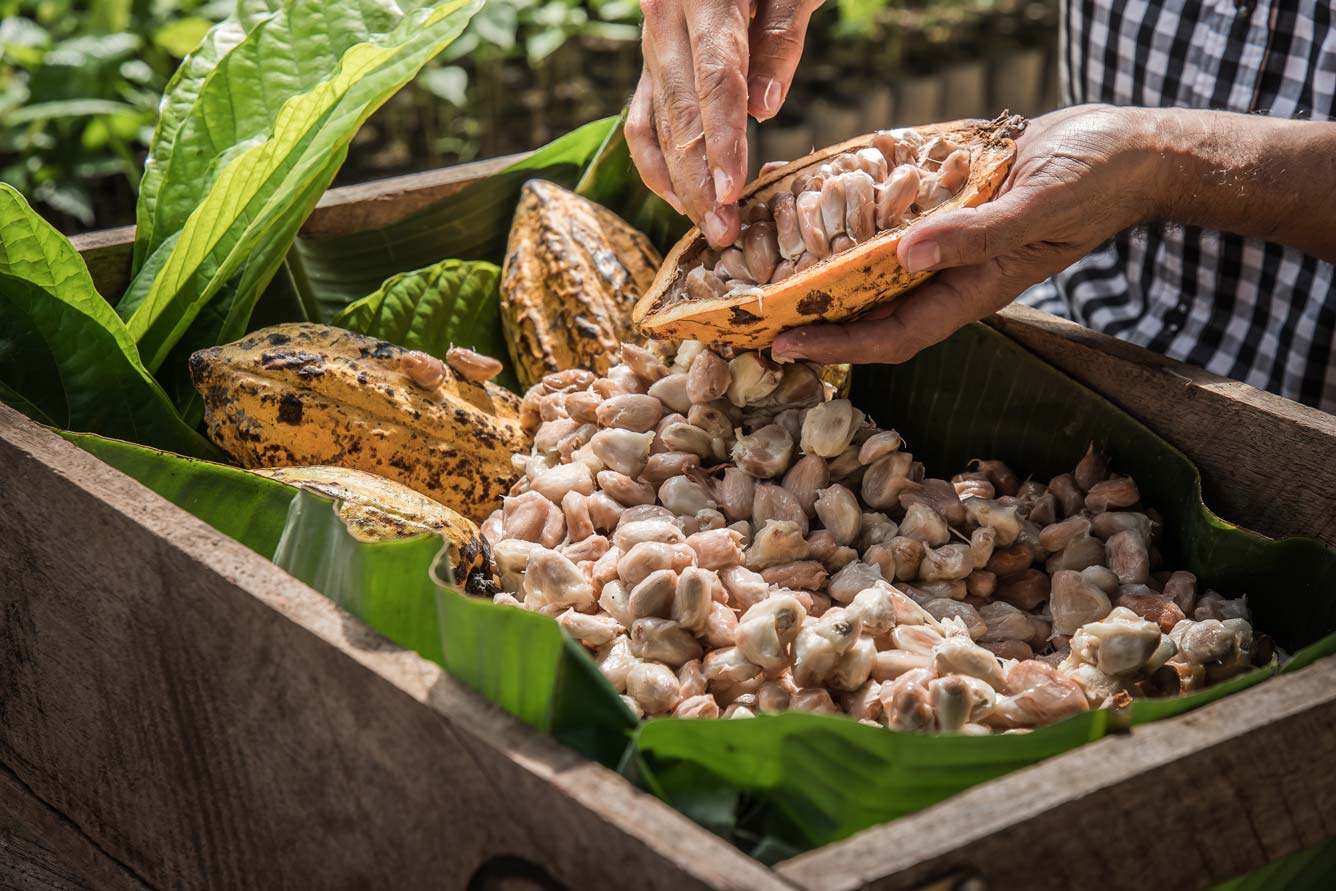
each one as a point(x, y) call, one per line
point(836, 288)
point(378, 509)
point(572, 274)
point(299, 394)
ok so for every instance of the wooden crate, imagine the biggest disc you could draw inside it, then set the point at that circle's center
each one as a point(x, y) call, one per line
point(176, 712)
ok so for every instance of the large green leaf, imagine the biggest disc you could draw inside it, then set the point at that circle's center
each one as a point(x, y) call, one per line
point(65, 356)
point(211, 109)
point(518, 659)
point(250, 209)
point(178, 99)
point(454, 302)
point(472, 224)
point(783, 784)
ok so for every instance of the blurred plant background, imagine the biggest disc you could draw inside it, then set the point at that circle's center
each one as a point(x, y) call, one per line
point(80, 83)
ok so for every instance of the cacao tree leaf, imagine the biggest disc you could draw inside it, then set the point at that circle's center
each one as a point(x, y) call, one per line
point(520, 660)
point(453, 302)
point(203, 109)
point(65, 356)
point(263, 187)
point(179, 98)
point(799, 781)
point(472, 224)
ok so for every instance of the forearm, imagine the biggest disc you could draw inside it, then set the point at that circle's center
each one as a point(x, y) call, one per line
point(1266, 178)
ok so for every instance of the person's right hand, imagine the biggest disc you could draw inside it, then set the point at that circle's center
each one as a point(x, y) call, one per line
point(706, 67)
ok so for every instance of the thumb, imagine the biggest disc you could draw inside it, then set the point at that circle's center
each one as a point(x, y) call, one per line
point(969, 235)
point(776, 39)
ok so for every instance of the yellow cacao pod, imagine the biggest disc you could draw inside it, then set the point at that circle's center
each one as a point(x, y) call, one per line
point(573, 272)
point(842, 282)
point(378, 509)
point(300, 394)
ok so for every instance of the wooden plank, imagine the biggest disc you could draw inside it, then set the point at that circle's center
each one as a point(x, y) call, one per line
point(1191, 801)
point(1267, 463)
point(109, 252)
point(66, 858)
point(207, 721)
point(382, 202)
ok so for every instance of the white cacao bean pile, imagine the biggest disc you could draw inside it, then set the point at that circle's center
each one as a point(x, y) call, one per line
point(832, 207)
point(727, 538)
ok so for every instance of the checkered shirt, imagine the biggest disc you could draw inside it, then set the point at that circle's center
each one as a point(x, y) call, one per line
point(1250, 310)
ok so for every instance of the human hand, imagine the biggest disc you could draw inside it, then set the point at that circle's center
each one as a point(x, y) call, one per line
point(706, 67)
point(1081, 175)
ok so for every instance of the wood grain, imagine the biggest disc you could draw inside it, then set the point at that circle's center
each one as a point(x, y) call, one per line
point(1191, 801)
point(1267, 463)
point(41, 848)
point(207, 721)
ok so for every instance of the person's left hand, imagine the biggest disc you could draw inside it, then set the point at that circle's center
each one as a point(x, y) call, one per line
point(1081, 175)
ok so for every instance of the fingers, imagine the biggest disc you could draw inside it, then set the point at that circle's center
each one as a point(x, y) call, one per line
point(718, 34)
point(644, 144)
point(777, 34)
point(676, 113)
point(971, 235)
point(895, 333)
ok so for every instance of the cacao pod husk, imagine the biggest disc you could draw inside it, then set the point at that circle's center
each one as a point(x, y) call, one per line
point(573, 272)
point(837, 288)
point(374, 508)
point(301, 394)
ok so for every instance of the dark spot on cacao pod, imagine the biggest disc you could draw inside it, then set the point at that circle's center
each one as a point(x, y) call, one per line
point(740, 316)
point(290, 409)
point(280, 359)
point(815, 303)
point(279, 339)
point(361, 377)
point(383, 349)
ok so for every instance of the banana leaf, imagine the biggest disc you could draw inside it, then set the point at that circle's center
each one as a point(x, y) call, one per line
point(448, 303)
point(65, 356)
point(472, 224)
point(520, 660)
point(1311, 869)
point(780, 784)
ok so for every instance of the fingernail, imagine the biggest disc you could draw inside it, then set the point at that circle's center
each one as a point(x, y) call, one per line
point(671, 197)
point(714, 228)
point(765, 91)
point(923, 256)
point(723, 186)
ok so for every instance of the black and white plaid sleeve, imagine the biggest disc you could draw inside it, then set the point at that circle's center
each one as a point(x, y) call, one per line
point(1250, 310)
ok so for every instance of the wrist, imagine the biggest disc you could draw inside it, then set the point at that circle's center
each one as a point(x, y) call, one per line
point(1170, 143)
